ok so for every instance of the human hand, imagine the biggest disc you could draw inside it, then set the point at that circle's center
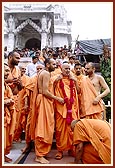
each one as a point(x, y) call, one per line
point(59, 77)
point(8, 102)
point(96, 100)
point(9, 80)
point(16, 80)
point(72, 77)
point(60, 100)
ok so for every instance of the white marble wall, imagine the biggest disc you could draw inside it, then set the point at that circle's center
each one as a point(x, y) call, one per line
point(58, 27)
point(60, 40)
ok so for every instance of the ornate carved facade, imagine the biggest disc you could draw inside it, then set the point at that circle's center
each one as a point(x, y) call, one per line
point(35, 25)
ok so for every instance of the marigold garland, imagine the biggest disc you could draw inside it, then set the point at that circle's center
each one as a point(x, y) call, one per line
point(69, 102)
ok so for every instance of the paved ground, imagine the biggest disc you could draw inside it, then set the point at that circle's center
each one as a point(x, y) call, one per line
point(29, 158)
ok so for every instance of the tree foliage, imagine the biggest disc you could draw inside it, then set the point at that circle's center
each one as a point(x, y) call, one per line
point(105, 68)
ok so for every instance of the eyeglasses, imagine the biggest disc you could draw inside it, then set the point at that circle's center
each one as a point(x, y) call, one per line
point(39, 68)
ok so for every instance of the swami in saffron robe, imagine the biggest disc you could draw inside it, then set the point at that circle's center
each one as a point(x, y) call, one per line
point(63, 133)
point(96, 136)
point(15, 74)
point(22, 119)
point(86, 97)
point(9, 120)
point(42, 121)
point(29, 87)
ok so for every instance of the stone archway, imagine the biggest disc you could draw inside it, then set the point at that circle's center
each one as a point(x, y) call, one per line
point(33, 43)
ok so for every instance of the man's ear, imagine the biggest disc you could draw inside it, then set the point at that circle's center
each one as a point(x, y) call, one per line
point(47, 64)
point(10, 57)
point(94, 68)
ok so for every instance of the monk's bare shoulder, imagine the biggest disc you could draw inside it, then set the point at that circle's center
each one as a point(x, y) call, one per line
point(99, 77)
point(44, 72)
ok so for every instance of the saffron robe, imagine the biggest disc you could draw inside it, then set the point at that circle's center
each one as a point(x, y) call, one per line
point(64, 135)
point(9, 120)
point(86, 97)
point(15, 74)
point(30, 91)
point(56, 72)
point(42, 121)
point(22, 117)
point(97, 137)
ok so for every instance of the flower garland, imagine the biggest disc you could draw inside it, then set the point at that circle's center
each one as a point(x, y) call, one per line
point(68, 101)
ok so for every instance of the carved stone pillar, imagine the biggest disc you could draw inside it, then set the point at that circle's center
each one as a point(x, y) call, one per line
point(49, 40)
point(16, 41)
point(43, 40)
point(10, 41)
point(11, 28)
point(5, 27)
point(44, 32)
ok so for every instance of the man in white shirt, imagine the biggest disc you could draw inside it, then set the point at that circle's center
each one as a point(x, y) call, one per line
point(72, 62)
point(31, 67)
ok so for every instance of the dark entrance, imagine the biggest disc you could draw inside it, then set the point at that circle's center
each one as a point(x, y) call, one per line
point(33, 43)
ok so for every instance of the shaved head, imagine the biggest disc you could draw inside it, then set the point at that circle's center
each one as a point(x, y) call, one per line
point(89, 68)
point(65, 65)
point(91, 64)
point(40, 67)
point(65, 69)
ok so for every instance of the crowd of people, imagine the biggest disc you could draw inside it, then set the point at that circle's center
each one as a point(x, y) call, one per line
point(25, 52)
point(55, 92)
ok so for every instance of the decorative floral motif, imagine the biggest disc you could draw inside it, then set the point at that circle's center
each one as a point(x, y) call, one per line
point(69, 102)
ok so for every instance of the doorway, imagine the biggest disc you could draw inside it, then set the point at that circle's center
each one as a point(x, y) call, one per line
point(33, 43)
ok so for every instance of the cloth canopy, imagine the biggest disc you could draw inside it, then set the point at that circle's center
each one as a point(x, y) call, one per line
point(94, 47)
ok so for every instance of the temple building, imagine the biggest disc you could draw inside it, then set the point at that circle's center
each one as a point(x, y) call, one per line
point(35, 25)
